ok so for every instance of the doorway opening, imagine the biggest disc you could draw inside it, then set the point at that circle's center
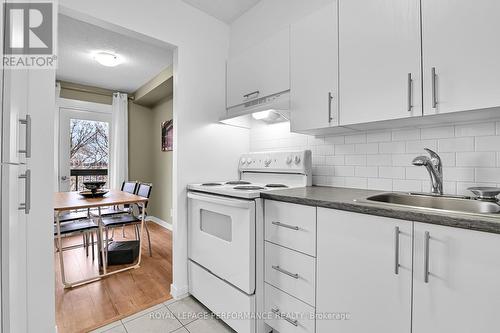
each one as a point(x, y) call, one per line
point(114, 128)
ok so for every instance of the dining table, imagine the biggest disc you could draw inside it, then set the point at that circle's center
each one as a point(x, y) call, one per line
point(74, 201)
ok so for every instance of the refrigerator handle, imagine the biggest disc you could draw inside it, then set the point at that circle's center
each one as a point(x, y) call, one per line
point(27, 122)
point(26, 205)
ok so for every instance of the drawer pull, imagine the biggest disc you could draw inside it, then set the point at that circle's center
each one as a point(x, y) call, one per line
point(284, 271)
point(277, 312)
point(279, 224)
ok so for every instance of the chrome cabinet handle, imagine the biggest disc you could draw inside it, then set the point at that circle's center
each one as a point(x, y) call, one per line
point(434, 94)
point(256, 92)
point(410, 81)
point(284, 271)
point(330, 98)
point(277, 312)
point(26, 206)
point(279, 224)
point(427, 237)
point(27, 122)
point(396, 250)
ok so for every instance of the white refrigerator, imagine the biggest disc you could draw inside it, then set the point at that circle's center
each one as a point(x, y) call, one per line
point(27, 173)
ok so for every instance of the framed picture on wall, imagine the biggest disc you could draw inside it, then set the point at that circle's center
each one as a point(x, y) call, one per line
point(167, 135)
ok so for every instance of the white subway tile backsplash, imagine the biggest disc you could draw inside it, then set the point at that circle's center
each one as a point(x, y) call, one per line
point(456, 144)
point(334, 160)
point(403, 159)
point(356, 138)
point(381, 160)
point(343, 171)
point(378, 137)
point(458, 174)
point(406, 134)
point(334, 140)
point(344, 149)
point(438, 132)
point(391, 172)
point(356, 182)
point(363, 171)
point(355, 159)
point(407, 185)
point(490, 175)
point(419, 145)
point(380, 184)
point(488, 143)
point(475, 129)
point(392, 147)
point(476, 159)
point(366, 148)
point(416, 173)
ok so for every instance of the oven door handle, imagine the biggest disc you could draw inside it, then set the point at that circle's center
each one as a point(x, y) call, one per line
point(221, 200)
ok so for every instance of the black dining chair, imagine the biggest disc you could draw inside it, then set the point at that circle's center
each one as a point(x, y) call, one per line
point(129, 187)
point(122, 220)
point(86, 227)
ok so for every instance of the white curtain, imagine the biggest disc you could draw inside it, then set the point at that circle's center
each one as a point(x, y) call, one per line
point(119, 141)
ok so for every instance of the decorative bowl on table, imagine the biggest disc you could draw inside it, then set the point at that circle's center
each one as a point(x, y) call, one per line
point(93, 189)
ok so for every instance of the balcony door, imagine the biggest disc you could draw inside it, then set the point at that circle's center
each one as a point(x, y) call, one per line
point(84, 145)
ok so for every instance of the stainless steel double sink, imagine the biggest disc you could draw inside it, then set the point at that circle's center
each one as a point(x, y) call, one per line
point(460, 204)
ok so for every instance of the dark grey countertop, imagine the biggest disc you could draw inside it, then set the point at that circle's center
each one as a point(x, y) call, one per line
point(344, 199)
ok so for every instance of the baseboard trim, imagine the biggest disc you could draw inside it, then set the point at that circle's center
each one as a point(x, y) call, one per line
point(179, 293)
point(160, 222)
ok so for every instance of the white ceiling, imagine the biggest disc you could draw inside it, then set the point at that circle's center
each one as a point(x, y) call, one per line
point(224, 10)
point(77, 40)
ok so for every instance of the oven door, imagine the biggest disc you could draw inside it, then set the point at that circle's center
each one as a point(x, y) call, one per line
point(221, 237)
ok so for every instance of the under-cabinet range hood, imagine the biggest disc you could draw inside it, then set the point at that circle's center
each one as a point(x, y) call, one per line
point(270, 109)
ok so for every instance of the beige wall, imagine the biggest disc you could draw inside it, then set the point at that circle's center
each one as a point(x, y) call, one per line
point(94, 94)
point(147, 163)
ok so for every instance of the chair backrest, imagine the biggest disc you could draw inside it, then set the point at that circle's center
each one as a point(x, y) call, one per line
point(130, 187)
point(144, 190)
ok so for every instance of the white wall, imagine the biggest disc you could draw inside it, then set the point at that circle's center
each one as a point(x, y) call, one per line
point(203, 149)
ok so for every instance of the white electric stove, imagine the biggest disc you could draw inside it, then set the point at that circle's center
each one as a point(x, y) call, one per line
point(226, 235)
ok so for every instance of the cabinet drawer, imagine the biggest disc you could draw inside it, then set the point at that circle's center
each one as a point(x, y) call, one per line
point(291, 271)
point(287, 314)
point(291, 225)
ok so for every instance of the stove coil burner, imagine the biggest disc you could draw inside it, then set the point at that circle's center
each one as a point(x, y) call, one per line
point(211, 184)
point(237, 182)
point(249, 188)
point(276, 185)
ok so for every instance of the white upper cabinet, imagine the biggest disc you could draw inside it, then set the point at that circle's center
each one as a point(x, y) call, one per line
point(260, 71)
point(460, 41)
point(462, 291)
point(379, 44)
point(314, 70)
point(364, 268)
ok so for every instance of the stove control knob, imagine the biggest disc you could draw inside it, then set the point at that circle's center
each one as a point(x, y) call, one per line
point(296, 159)
point(249, 161)
point(267, 161)
point(243, 160)
point(289, 159)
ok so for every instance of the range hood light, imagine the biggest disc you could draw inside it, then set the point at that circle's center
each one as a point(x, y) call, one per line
point(261, 115)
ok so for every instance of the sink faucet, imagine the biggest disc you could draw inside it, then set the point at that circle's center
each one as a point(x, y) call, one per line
point(435, 169)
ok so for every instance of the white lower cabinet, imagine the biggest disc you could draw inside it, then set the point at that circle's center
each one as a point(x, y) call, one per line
point(462, 293)
point(364, 273)
point(287, 314)
point(378, 274)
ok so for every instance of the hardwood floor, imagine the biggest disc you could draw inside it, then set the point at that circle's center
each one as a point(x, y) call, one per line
point(87, 307)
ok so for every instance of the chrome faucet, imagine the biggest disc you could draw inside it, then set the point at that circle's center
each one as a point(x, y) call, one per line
point(435, 169)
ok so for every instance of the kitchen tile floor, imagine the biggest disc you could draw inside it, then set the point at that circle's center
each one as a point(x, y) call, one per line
point(174, 316)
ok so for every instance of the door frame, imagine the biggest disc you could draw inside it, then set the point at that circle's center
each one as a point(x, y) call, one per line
point(76, 105)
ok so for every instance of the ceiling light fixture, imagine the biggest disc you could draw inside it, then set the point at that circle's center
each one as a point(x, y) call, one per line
point(107, 59)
